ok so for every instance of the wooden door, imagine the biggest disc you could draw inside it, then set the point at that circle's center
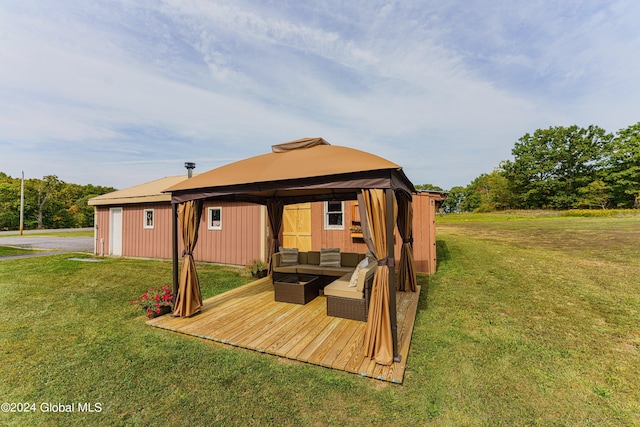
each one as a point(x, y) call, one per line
point(296, 226)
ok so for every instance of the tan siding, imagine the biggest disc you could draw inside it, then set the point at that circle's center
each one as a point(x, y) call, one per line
point(238, 242)
point(138, 241)
point(424, 233)
point(334, 238)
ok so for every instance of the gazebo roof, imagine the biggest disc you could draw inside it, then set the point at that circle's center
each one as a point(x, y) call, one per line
point(307, 169)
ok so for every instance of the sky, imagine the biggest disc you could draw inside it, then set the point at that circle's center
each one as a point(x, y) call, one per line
point(118, 93)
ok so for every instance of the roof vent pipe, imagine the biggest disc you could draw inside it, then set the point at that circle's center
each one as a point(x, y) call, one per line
point(190, 167)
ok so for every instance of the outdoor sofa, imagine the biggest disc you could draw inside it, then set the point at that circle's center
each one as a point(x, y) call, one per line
point(347, 291)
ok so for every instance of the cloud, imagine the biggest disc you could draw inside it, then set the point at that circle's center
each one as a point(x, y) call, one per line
point(97, 88)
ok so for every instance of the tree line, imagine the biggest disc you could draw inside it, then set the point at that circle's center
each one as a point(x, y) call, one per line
point(558, 168)
point(48, 203)
point(555, 168)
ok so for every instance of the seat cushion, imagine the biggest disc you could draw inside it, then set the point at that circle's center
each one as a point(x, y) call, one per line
point(365, 273)
point(336, 271)
point(286, 269)
point(312, 269)
point(341, 288)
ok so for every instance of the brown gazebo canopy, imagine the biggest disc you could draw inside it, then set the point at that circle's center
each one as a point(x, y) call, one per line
point(305, 170)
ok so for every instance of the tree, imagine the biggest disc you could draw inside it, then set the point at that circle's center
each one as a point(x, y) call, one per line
point(552, 165)
point(623, 167)
point(486, 193)
point(595, 194)
point(430, 187)
point(454, 198)
point(9, 202)
point(49, 203)
point(45, 187)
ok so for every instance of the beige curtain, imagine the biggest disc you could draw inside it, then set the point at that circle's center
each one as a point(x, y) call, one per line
point(378, 340)
point(189, 299)
point(406, 270)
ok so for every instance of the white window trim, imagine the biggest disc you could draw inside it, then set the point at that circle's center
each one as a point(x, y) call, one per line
point(209, 215)
point(327, 226)
point(144, 219)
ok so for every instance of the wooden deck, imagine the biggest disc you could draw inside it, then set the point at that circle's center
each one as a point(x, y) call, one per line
point(249, 317)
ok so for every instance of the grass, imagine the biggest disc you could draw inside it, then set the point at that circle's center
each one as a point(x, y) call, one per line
point(537, 322)
point(525, 323)
point(536, 214)
point(11, 251)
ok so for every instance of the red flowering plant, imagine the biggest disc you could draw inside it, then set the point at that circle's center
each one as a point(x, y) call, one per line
point(154, 300)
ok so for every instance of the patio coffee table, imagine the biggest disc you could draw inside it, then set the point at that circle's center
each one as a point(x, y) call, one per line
point(297, 288)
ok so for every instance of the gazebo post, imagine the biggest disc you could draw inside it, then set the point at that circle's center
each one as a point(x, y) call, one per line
point(174, 241)
point(390, 194)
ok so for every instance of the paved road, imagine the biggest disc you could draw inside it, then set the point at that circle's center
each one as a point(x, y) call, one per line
point(52, 244)
point(30, 232)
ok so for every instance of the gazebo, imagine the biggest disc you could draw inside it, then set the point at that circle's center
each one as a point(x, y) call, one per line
point(305, 170)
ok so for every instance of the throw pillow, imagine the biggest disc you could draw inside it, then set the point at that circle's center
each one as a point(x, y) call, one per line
point(330, 257)
point(288, 256)
point(363, 263)
point(354, 277)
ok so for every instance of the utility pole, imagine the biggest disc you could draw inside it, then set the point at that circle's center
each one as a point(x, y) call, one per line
point(22, 203)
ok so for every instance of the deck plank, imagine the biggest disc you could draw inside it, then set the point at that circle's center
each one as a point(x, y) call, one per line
point(347, 353)
point(404, 335)
point(249, 317)
point(307, 335)
point(329, 342)
point(226, 320)
point(341, 342)
point(263, 324)
point(279, 331)
point(280, 345)
point(244, 319)
point(318, 340)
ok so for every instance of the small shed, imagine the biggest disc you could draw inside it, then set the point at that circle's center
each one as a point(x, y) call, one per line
point(136, 222)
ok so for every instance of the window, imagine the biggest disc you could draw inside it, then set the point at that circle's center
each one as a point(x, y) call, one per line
point(215, 219)
point(148, 218)
point(333, 216)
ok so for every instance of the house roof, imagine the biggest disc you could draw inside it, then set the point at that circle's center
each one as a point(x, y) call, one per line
point(144, 193)
point(302, 170)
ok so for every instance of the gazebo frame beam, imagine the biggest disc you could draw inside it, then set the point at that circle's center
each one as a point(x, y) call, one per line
point(174, 241)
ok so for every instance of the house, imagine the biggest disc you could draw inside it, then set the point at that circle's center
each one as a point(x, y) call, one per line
point(136, 222)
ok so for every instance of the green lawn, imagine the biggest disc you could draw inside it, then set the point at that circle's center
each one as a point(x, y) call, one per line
point(11, 251)
point(532, 322)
